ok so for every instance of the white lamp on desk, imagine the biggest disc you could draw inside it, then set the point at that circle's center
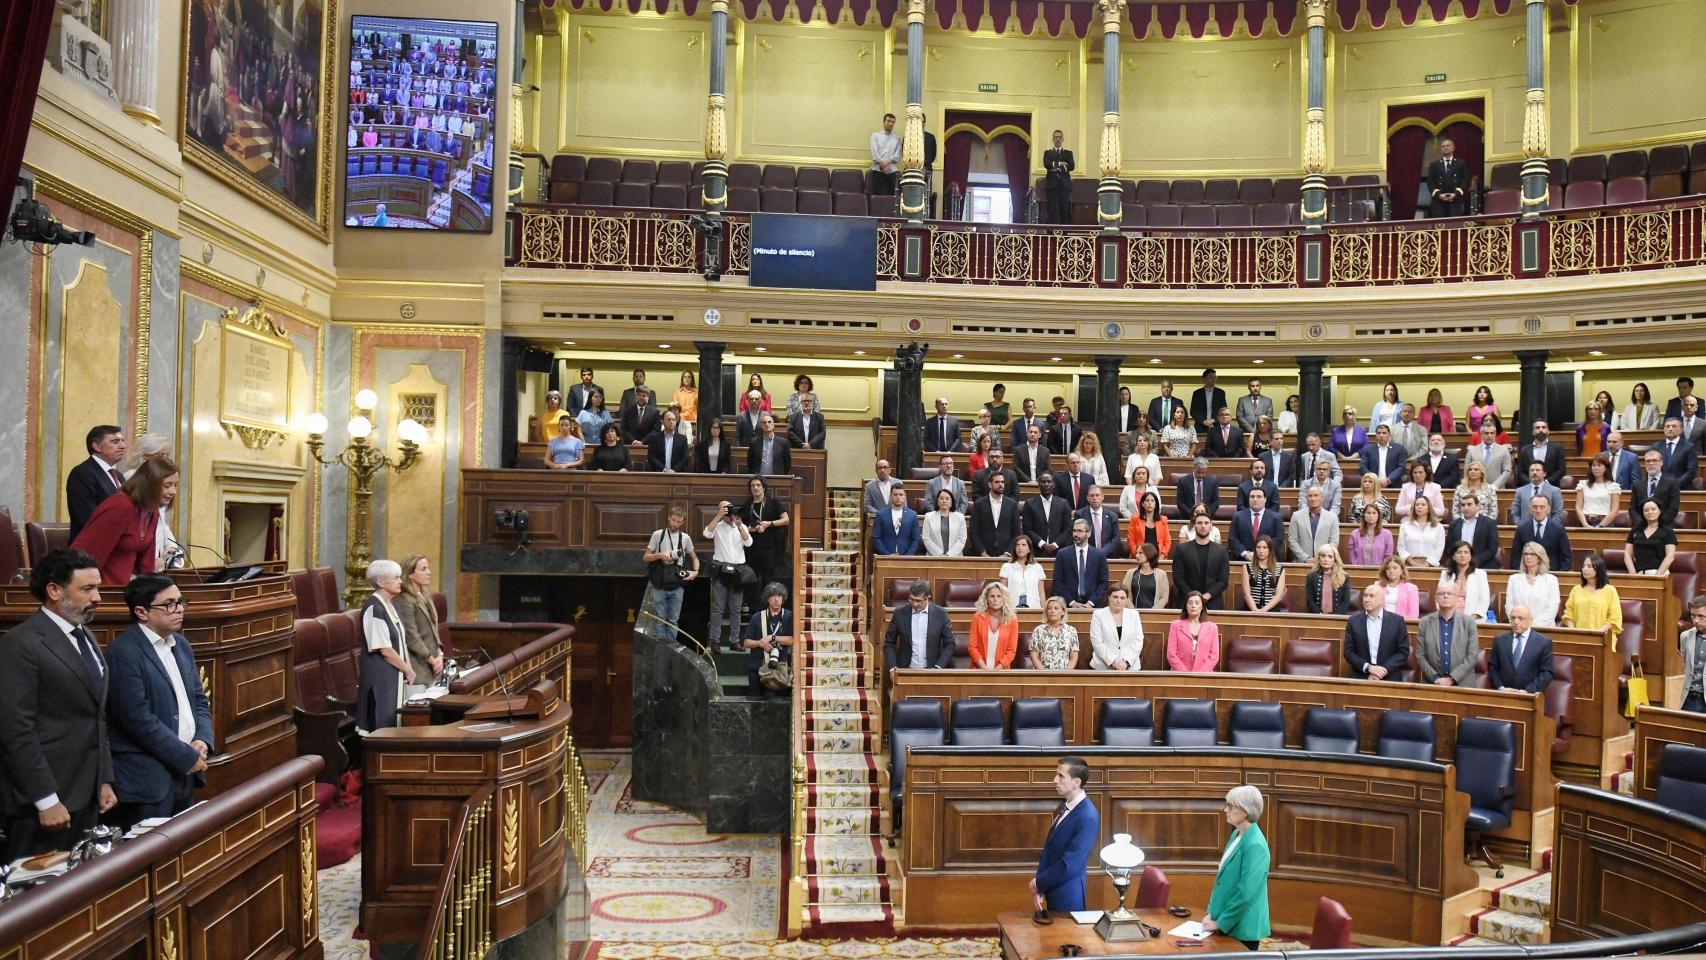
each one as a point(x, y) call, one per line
point(1119, 859)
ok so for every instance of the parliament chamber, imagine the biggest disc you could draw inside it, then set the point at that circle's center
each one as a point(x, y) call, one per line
point(519, 479)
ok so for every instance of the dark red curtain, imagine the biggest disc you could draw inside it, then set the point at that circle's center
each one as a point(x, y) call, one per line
point(23, 46)
point(1018, 171)
point(956, 160)
point(1412, 128)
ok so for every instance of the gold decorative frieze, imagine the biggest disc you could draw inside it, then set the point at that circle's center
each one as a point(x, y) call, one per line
point(510, 845)
point(310, 899)
point(1146, 262)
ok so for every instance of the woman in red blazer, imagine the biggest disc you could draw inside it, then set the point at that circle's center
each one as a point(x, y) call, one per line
point(120, 533)
point(1193, 643)
point(1147, 524)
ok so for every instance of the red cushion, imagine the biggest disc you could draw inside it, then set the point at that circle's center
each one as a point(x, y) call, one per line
point(1332, 926)
point(337, 835)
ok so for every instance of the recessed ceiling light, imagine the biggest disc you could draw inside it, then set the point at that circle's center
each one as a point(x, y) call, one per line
point(858, 353)
point(1596, 353)
point(1478, 356)
point(761, 349)
point(568, 343)
point(1154, 359)
point(1055, 359)
point(1365, 359)
point(959, 356)
point(663, 346)
point(1258, 360)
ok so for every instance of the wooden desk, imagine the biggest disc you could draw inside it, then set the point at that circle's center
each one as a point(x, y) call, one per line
point(1623, 866)
point(1023, 939)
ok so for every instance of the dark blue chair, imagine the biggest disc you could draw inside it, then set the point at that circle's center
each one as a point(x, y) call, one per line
point(1406, 735)
point(1486, 770)
point(912, 723)
point(1128, 723)
point(369, 165)
point(440, 170)
point(1682, 779)
point(354, 166)
point(1327, 730)
point(1258, 726)
point(1189, 723)
point(387, 165)
point(1037, 722)
point(978, 723)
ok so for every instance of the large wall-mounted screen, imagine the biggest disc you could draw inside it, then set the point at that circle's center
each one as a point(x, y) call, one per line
point(422, 107)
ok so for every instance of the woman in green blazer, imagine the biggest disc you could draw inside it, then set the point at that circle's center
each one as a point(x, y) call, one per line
point(1238, 907)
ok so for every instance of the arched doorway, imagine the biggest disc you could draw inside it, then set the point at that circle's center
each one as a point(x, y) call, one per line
point(1413, 133)
point(987, 156)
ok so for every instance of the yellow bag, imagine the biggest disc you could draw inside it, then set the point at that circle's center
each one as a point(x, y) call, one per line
point(1637, 690)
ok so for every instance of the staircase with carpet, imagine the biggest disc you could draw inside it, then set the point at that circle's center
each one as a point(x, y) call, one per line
point(1516, 912)
point(846, 872)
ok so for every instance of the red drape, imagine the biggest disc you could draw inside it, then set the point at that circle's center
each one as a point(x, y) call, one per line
point(1413, 128)
point(1018, 171)
point(23, 47)
point(956, 160)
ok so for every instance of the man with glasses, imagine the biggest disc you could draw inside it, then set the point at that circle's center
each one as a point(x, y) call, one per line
point(161, 723)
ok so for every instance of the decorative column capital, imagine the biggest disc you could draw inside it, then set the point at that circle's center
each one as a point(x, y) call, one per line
point(1111, 160)
point(914, 12)
point(1113, 11)
point(1316, 14)
point(1536, 137)
point(720, 6)
point(1315, 140)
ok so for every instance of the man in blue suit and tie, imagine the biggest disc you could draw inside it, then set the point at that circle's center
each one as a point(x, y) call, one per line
point(1377, 645)
point(1522, 658)
point(1080, 570)
point(1625, 465)
point(1254, 523)
point(1072, 834)
point(1542, 528)
point(894, 531)
point(1680, 458)
point(1383, 458)
point(161, 726)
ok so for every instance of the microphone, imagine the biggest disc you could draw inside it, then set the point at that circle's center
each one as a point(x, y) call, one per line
point(509, 705)
point(180, 545)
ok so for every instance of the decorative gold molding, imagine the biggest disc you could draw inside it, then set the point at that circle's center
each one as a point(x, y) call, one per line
point(511, 852)
point(716, 127)
point(206, 686)
point(252, 437)
point(305, 856)
point(144, 326)
point(1536, 137)
point(191, 269)
point(1110, 166)
point(168, 937)
point(54, 188)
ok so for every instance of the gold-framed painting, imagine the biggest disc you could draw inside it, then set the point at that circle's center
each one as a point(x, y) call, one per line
point(257, 101)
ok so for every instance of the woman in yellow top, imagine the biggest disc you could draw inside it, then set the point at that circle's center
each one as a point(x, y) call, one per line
point(994, 637)
point(686, 403)
point(553, 412)
point(1594, 603)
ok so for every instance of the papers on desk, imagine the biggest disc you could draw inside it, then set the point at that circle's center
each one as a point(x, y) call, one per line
point(1189, 930)
point(20, 874)
point(428, 695)
point(1086, 916)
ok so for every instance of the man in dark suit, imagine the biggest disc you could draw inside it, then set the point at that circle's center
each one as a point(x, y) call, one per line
point(1542, 451)
point(1684, 390)
point(1255, 522)
point(1542, 528)
point(1047, 518)
point(630, 396)
point(578, 393)
point(920, 635)
point(1481, 533)
point(1448, 177)
point(1224, 439)
point(1653, 484)
point(1057, 162)
point(769, 453)
point(1200, 565)
point(894, 531)
point(1080, 570)
point(1161, 407)
point(1625, 465)
point(1063, 434)
point(1031, 458)
point(666, 450)
point(980, 479)
point(1680, 459)
point(942, 432)
point(994, 521)
point(1376, 644)
point(640, 420)
point(96, 478)
point(1258, 481)
point(1522, 657)
point(1383, 452)
point(806, 431)
point(1693, 426)
point(1443, 466)
point(749, 424)
point(1063, 869)
point(1200, 487)
point(161, 724)
point(929, 172)
point(1073, 484)
point(1027, 420)
point(57, 762)
point(1279, 464)
point(1104, 521)
point(1206, 402)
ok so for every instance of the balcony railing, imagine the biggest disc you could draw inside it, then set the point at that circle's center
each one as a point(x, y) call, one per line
point(1645, 236)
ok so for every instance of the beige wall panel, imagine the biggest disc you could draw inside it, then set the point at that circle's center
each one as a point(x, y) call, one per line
point(1041, 77)
point(1194, 109)
point(609, 60)
point(91, 329)
point(809, 94)
point(1625, 54)
point(414, 500)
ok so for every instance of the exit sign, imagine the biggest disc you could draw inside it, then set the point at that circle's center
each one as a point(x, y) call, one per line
point(989, 88)
point(1434, 78)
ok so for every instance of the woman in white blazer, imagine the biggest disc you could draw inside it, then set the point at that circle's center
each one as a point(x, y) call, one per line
point(932, 527)
point(1116, 634)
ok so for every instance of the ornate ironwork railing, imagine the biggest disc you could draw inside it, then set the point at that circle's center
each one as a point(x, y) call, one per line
point(1645, 236)
point(460, 927)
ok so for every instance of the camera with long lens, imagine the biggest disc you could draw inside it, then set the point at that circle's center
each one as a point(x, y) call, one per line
point(515, 520)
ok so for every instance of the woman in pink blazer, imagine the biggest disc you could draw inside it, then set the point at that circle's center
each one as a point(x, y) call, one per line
point(1193, 643)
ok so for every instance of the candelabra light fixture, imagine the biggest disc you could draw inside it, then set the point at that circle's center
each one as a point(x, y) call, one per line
point(364, 458)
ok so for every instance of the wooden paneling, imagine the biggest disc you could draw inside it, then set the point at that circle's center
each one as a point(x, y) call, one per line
point(1624, 866)
point(1386, 837)
point(1655, 727)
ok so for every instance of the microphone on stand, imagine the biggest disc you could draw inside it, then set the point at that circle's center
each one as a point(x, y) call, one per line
point(180, 546)
point(509, 705)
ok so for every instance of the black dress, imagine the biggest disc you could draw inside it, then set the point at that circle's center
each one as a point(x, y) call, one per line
point(1649, 552)
point(611, 458)
point(1143, 589)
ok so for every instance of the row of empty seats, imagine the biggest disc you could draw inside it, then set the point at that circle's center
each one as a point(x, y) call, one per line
point(1629, 176)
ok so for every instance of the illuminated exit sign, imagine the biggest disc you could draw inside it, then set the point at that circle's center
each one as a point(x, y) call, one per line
point(1434, 78)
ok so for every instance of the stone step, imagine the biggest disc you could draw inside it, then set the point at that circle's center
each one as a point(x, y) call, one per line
point(1506, 927)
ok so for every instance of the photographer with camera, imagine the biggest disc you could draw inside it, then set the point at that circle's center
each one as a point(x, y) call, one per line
point(768, 638)
point(670, 565)
point(730, 575)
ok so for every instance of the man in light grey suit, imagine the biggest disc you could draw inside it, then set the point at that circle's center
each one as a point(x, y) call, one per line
point(1253, 406)
point(1409, 434)
point(1493, 456)
point(1537, 486)
point(877, 491)
point(1446, 645)
point(945, 478)
point(1312, 527)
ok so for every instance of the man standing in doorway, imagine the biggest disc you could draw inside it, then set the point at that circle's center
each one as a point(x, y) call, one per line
point(1058, 162)
point(1447, 178)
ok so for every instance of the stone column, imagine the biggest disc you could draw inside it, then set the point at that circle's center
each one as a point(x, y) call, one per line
point(1533, 399)
point(517, 162)
point(1315, 122)
point(710, 389)
point(909, 415)
point(1536, 140)
point(1312, 417)
point(1108, 411)
point(1108, 195)
point(714, 181)
point(509, 416)
point(136, 55)
point(914, 190)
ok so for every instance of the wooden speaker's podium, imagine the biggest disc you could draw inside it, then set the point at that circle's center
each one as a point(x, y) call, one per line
point(242, 636)
point(480, 811)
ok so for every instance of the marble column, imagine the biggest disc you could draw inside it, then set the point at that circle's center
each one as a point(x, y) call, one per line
point(909, 415)
point(1536, 139)
point(1108, 193)
point(914, 190)
point(714, 182)
point(1312, 415)
point(136, 55)
point(1315, 122)
point(710, 389)
point(1108, 411)
point(1532, 403)
point(509, 393)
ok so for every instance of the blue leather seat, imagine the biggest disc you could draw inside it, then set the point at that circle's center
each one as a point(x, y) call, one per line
point(1486, 770)
point(1682, 779)
point(1405, 735)
point(912, 723)
point(1327, 730)
point(1189, 723)
point(1257, 726)
point(1128, 723)
point(1037, 722)
point(978, 723)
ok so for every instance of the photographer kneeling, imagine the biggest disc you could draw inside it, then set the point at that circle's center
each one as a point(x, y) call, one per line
point(670, 565)
point(729, 574)
point(768, 637)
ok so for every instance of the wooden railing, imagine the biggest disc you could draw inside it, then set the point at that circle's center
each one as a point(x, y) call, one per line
point(460, 927)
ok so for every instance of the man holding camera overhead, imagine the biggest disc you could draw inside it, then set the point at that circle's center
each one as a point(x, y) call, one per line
point(670, 565)
point(729, 538)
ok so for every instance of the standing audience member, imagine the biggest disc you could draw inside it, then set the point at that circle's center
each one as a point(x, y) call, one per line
point(666, 450)
point(1179, 436)
point(1137, 487)
point(1544, 452)
point(1536, 487)
point(1652, 545)
point(671, 564)
point(1313, 454)
point(797, 399)
point(1466, 575)
point(1254, 523)
point(1073, 484)
point(1054, 643)
point(593, 417)
point(1421, 539)
point(1023, 575)
point(1187, 526)
point(769, 635)
point(985, 428)
point(1540, 527)
point(54, 749)
point(894, 532)
point(1597, 497)
point(717, 454)
point(769, 454)
point(1200, 565)
point(751, 418)
point(169, 554)
point(942, 432)
point(1312, 527)
point(1680, 455)
point(1332, 490)
point(1116, 635)
point(943, 530)
point(1057, 175)
point(994, 520)
point(1238, 902)
point(1193, 641)
point(1383, 458)
point(993, 467)
point(1148, 528)
point(552, 414)
point(994, 634)
point(1023, 424)
point(768, 519)
point(806, 429)
point(1146, 583)
point(1492, 455)
point(581, 392)
point(730, 539)
point(120, 533)
point(1371, 543)
point(1258, 480)
point(1447, 180)
point(885, 158)
point(642, 419)
point(1047, 517)
point(997, 405)
point(686, 404)
point(1143, 455)
point(1522, 656)
point(1080, 570)
point(91, 482)
point(1593, 603)
point(1207, 401)
point(1198, 489)
point(1475, 487)
point(419, 616)
point(384, 664)
point(1104, 524)
point(1435, 416)
point(1264, 581)
point(631, 396)
point(1641, 413)
point(919, 635)
point(1693, 644)
point(1253, 406)
point(1653, 486)
point(1409, 434)
point(611, 453)
point(1592, 431)
point(1090, 454)
point(1684, 390)
point(1327, 588)
point(1386, 409)
point(1482, 406)
point(1446, 642)
point(1401, 595)
point(1625, 465)
point(1348, 438)
point(1063, 433)
point(1532, 585)
point(1223, 438)
point(566, 450)
point(1420, 484)
point(981, 445)
point(1443, 466)
point(1031, 458)
point(877, 491)
point(1161, 407)
point(756, 397)
point(1376, 644)
point(946, 480)
point(1286, 422)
